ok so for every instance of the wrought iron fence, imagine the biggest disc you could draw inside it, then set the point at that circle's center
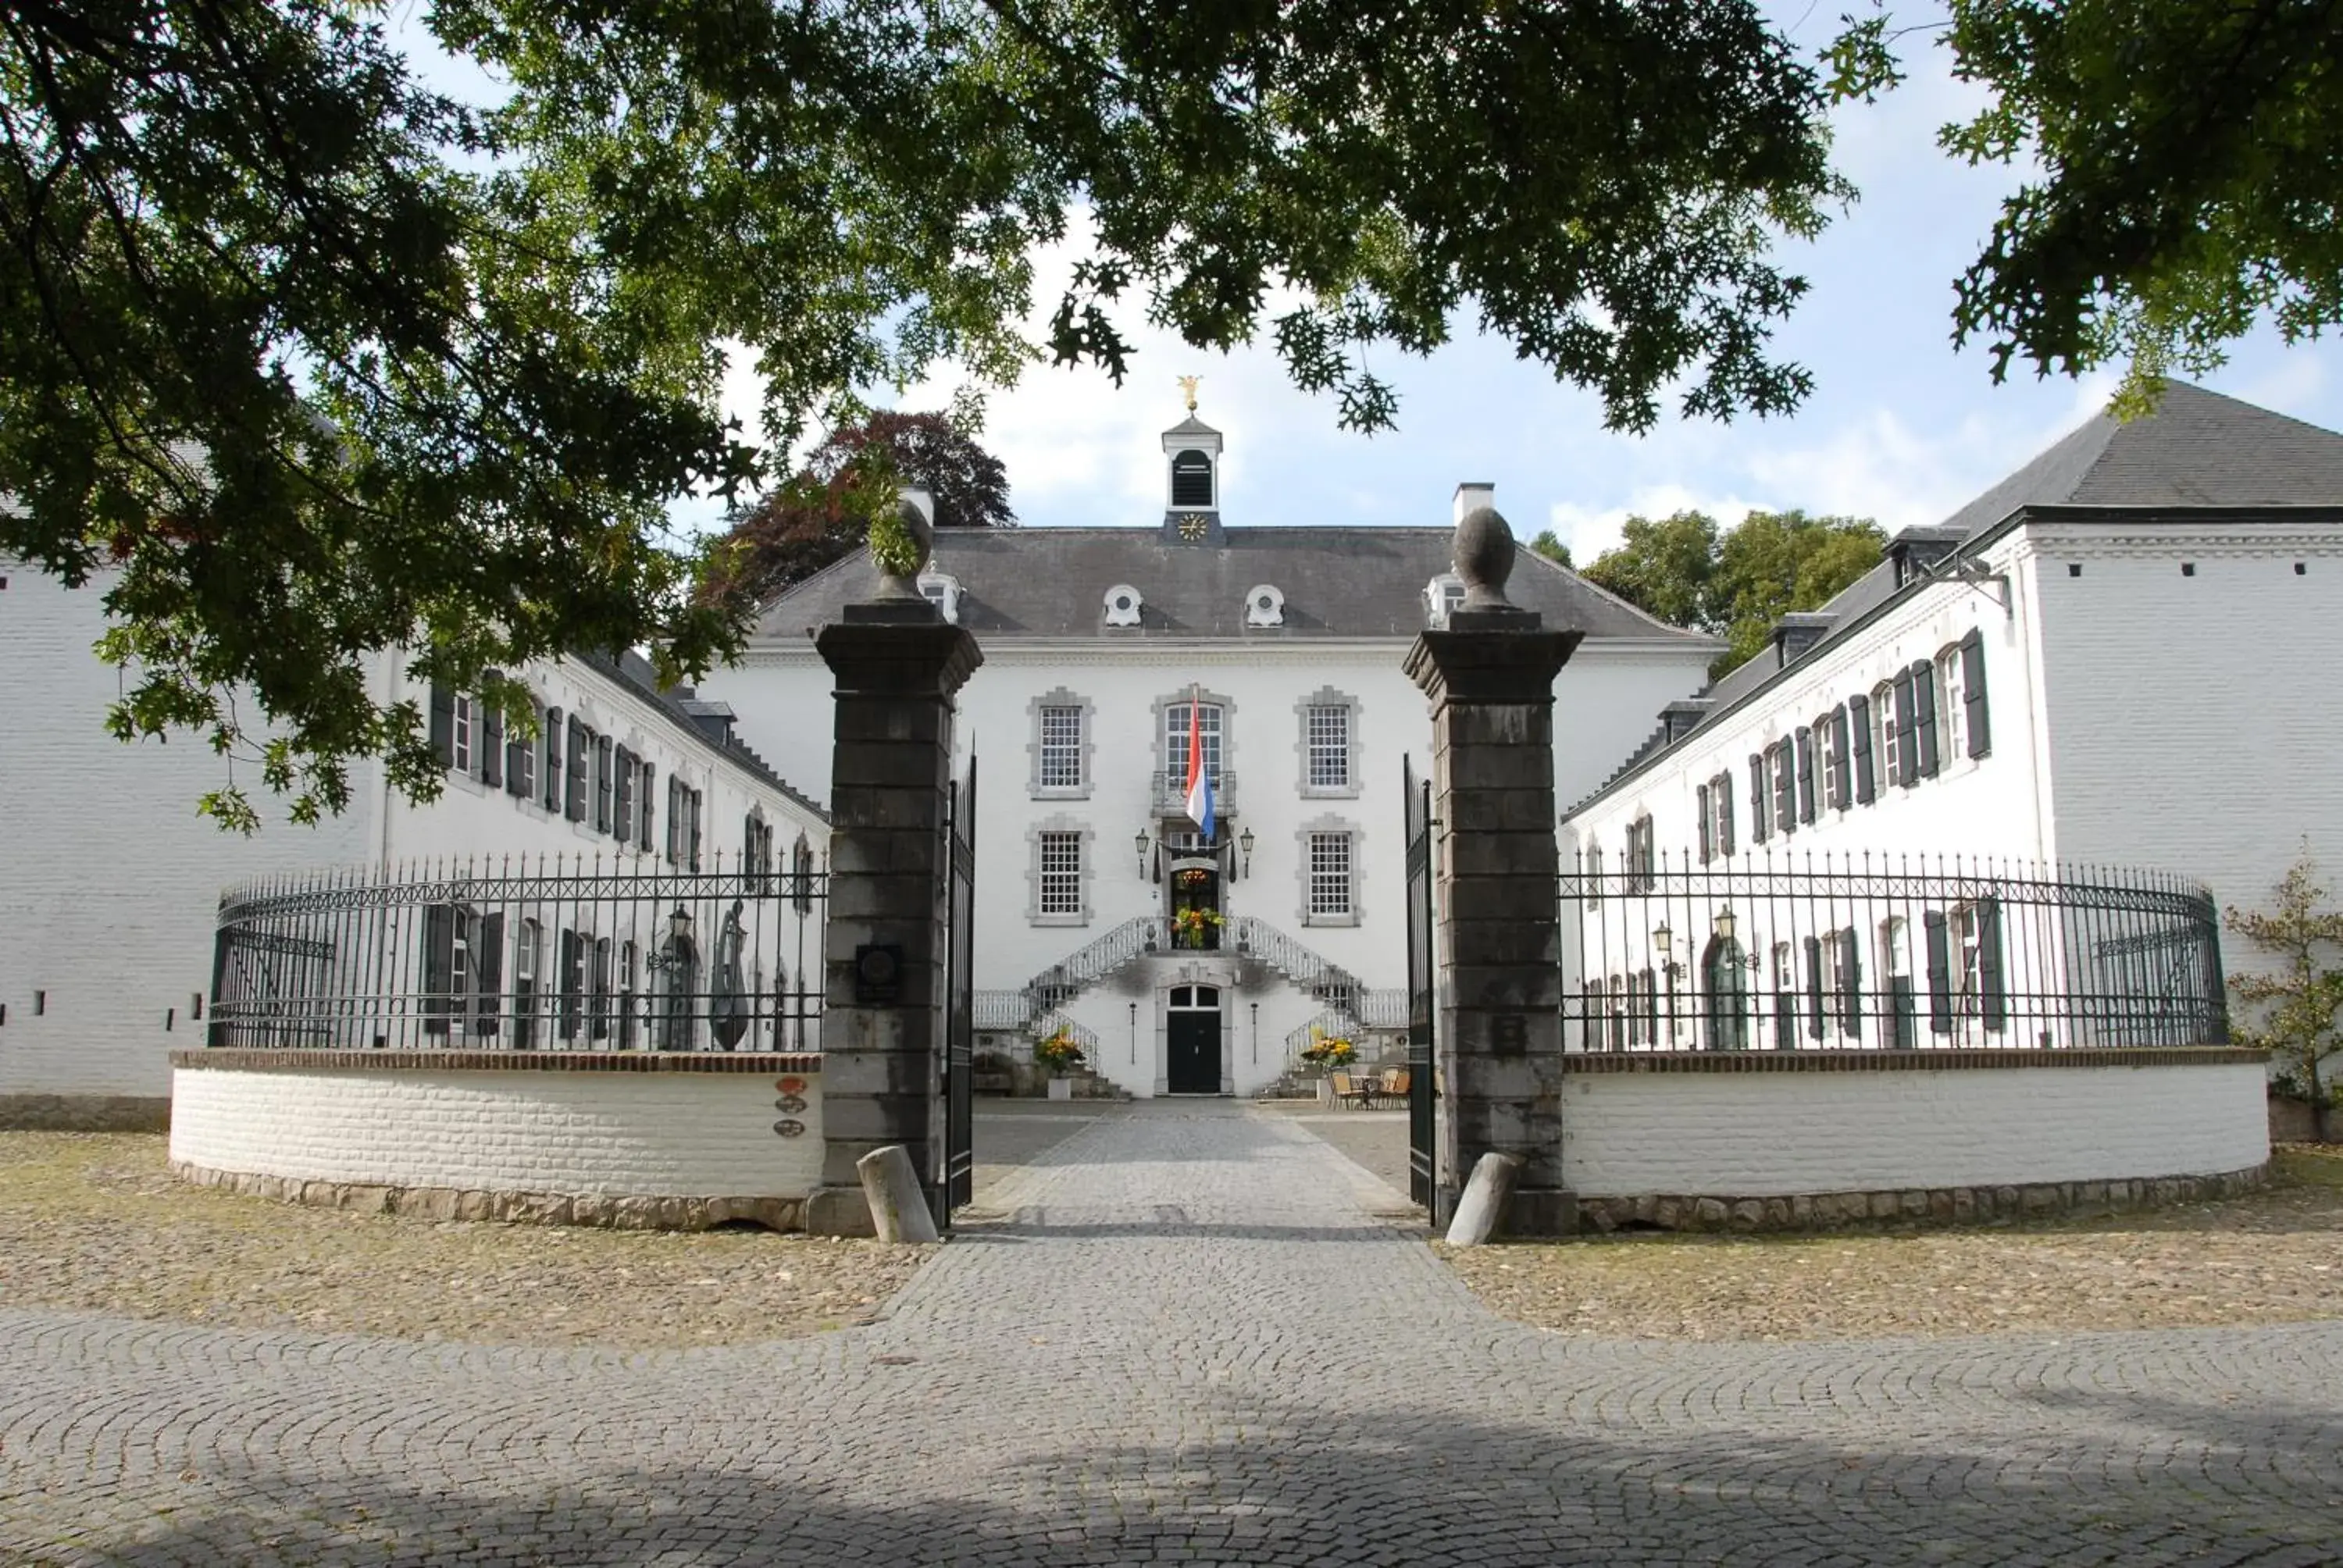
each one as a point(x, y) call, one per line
point(1865, 953)
point(563, 954)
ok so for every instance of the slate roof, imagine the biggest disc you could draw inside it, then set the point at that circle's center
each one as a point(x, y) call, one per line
point(633, 671)
point(2200, 448)
point(1337, 582)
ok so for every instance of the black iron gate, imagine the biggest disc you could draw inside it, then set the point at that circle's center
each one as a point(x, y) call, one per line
point(1423, 1085)
point(958, 1184)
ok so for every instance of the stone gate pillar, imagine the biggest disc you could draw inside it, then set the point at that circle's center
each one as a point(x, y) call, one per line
point(898, 665)
point(1497, 943)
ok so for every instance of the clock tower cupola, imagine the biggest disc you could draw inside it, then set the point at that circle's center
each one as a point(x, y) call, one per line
point(1192, 452)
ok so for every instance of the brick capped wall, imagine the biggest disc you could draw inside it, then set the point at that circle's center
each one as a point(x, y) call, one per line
point(548, 1134)
point(1922, 1126)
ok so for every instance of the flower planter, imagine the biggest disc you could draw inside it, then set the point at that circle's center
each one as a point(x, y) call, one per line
point(1061, 1089)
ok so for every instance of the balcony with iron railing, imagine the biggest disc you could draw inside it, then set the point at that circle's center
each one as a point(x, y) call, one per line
point(1168, 789)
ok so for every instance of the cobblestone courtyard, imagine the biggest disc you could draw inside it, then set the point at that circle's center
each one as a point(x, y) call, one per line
point(1182, 1336)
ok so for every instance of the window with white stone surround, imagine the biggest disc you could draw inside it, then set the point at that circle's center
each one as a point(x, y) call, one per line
point(1328, 744)
point(1058, 873)
point(1058, 746)
point(1329, 866)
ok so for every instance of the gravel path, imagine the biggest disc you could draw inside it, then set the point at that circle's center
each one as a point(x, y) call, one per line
point(1186, 1339)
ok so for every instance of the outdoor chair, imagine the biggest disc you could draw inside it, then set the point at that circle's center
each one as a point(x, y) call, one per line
point(1346, 1090)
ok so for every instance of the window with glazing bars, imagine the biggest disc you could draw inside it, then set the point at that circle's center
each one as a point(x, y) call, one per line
point(1062, 873)
point(1061, 748)
point(1175, 742)
point(1330, 747)
point(1330, 873)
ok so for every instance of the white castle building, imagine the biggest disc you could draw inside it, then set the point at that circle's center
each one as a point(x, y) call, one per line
point(109, 900)
point(1186, 965)
point(2112, 657)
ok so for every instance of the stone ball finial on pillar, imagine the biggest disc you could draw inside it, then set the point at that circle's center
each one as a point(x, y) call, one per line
point(1483, 557)
point(901, 545)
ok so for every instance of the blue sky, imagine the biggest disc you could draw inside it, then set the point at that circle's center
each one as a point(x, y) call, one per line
point(1900, 427)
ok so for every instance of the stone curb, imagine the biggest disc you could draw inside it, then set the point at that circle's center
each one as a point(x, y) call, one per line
point(1905, 1206)
point(603, 1210)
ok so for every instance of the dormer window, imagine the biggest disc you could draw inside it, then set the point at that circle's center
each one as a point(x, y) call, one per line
point(1264, 606)
point(942, 590)
point(1442, 595)
point(1122, 605)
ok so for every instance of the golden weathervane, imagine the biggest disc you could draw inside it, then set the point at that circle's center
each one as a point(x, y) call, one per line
point(1187, 384)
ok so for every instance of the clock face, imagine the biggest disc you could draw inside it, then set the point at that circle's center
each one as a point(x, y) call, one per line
point(1193, 526)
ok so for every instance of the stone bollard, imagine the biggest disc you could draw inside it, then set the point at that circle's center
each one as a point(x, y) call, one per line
point(899, 1209)
point(1484, 1203)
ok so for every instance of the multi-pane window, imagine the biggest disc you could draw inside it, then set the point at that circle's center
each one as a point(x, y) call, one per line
point(1593, 875)
point(1886, 736)
point(1952, 732)
point(526, 943)
point(1175, 740)
point(1831, 730)
point(1968, 956)
point(462, 733)
point(1641, 866)
point(1785, 787)
point(1329, 746)
point(1061, 748)
point(757, 847)
point(1062, 873)
point(1330, 874)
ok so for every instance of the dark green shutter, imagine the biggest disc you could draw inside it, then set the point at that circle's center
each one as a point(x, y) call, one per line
point(651, 775)
point(1850, 992)
point(1707, 831)
point(574, 754)
point(1858, 721)
point(1814, 987)
point(489, 974)
point(1841, 780)
point(1907, 756)
point(1725, 813)
point(438, 966)
point(1980, 729)
point(443, 725)
point(492, 745)
point(1923, 716)
point(1989, 976)
point(1940, 972)
point(551, 734)
point(1805, 775)
point(1757, 806)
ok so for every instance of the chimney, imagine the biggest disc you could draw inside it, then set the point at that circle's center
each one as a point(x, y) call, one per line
point(1472, 496)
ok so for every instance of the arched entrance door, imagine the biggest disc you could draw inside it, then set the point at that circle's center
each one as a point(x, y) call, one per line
point(1192, 1041)
point(1724, 995)
point(1195, 904)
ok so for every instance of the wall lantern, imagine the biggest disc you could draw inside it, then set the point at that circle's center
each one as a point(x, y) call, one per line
point(1663, 939)
point(679, 927)
point(1725, 924)
point(1244, 843)
point(1139, 842)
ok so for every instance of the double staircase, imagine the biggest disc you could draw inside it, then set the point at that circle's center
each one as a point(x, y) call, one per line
point(1248, 935)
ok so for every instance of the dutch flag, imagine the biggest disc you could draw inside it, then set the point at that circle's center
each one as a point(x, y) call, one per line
point(1200, 783)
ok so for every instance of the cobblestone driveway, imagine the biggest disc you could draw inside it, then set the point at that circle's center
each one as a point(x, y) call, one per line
point(1186, 1339)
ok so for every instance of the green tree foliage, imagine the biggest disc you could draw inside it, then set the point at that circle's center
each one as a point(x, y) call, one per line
point(1549, 543)
point(2298, 1004)
point(822, 514)
point(326, 363)
point(2187, 161)
point(1738, 582)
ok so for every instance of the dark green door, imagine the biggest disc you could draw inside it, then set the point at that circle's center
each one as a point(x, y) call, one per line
point(1192, 1042)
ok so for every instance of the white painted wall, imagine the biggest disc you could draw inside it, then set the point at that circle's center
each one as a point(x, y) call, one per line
point(110, 882)
point(1768, 1134)
point(110, 888)
point(2190, 720)
point(632, 1134)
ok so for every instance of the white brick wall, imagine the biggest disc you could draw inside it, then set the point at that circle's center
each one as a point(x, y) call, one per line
point(1766, 1134)
point(632, 1134)
point(110, 884)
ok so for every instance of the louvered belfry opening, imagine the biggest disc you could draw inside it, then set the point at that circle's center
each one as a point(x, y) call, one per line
point(1192, 479)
